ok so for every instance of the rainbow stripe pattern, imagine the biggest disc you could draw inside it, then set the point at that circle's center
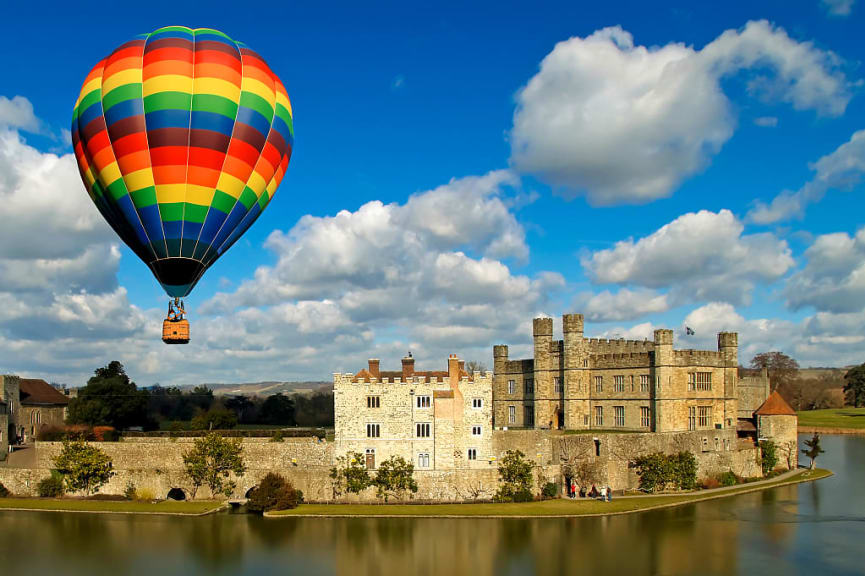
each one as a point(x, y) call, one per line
point(182, 137)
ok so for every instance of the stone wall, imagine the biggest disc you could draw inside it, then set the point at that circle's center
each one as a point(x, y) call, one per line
point(156, 464)
point(752, 392)
point(783, 430)
point(34, 418)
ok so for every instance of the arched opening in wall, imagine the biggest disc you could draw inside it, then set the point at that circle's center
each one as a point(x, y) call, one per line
point(249, 492)
point(176, 494)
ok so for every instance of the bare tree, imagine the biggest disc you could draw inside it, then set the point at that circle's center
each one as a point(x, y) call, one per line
point(473, 366)
point(782, 368)
point(788, 451)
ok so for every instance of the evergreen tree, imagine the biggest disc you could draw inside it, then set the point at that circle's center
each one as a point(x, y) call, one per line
point(814, 449)
point(854, 386)
point(110, 398)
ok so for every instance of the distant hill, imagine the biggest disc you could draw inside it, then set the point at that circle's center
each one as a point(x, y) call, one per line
point(266, 388)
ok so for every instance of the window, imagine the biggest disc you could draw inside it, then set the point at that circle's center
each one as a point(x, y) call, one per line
point(619, 413)
point(599, 383)
point(423, 460)
point(512, 414)
point(599, 415)
point(632, 382)
point(473, 453)
point(717, 444)
point(644, 416)
point(692, 418)
point(644, 382)
point(477, 403)
point(512, 387)
point(529, 415)
point(704, 381)
point(422, 430)
point(373, 430)
point(530, 386)
point(557, 385)
point(618, 383)
point(705, 416)
point(423, 402)
point(585, 419)
point(373, 402)
point(692, 381)
point(476, 431)
point(585, 362)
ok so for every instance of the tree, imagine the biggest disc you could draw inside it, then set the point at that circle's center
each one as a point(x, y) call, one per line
point(395, 477)
point(274, 492)
point(788, 451)
point(768, 456)
point(474, 366)
point(515, 475)
point(854, 385)
point(814, 449)
point(201, 397)
point(350, 475)
point(215, 419)
point(239, 405)
point(277, 409)
point(210, 462)
point(110, 398)
point(83, 467)
point(782, 368)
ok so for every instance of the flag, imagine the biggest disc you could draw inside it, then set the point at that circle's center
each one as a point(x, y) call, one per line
point(688, 331)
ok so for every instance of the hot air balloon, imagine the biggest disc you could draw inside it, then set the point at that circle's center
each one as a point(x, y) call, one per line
point(182, 137)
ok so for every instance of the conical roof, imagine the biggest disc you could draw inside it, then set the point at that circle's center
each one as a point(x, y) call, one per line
point(775, 405)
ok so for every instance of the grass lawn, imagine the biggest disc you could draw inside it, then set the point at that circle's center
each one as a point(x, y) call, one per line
point(558, 507)
point(833, 418)
point(74, 505)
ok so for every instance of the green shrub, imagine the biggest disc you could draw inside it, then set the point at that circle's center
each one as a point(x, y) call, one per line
point(50, 486)
point(768, 456)
point(515, 477)
point(728, 478)
point(129, 491)
point(144, 495)
point(551, 490)
point(273, 493)
point(214, 419)
point(277, 436)
point(4, 492)
point(52, 434)
point(658, 471)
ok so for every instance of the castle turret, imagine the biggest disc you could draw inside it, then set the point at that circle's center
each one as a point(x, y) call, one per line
point(728, 347)
point(663, 393)
point(574, 393)
point(542, 396)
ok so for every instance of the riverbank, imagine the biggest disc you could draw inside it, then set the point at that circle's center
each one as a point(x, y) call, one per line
point(558, 508)
point(165, 507)
point(832, 421)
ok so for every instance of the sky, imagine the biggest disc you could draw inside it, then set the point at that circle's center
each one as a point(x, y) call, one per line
point(458, 169)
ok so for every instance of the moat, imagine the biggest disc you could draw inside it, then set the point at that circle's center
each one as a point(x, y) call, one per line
point(813, 528)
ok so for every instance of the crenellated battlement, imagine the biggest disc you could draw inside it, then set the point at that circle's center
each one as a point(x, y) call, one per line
point(621, 360)
point(691, 357)
point(618, 346)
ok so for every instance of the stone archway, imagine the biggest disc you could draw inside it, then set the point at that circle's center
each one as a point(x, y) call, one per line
point(176, 494)
point(249, 492)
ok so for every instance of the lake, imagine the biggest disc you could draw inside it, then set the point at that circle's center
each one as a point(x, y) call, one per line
point(816, 528)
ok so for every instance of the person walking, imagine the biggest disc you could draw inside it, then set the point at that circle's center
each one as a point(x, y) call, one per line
point(609, 494)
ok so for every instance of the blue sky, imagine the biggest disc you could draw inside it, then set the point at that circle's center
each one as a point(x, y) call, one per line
point(618, 160)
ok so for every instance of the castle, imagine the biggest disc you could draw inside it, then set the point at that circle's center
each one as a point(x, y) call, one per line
point(452, 420)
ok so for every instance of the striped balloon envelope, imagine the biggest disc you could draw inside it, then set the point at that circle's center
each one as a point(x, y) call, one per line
point(182, 137)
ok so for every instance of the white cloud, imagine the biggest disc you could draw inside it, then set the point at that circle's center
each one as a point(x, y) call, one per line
point(838, 7)
point(766, 121)
point(622, 305)
point(17, 113)
point(842, 169)
point(833, 279)
point(697, 256)
point(626, 124)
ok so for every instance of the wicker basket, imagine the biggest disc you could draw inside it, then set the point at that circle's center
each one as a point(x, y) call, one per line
point(175, 331)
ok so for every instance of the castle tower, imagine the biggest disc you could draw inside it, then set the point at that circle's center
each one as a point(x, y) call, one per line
point(542, 330)
point(575, 387)
point(663, 385)
point(728, 347)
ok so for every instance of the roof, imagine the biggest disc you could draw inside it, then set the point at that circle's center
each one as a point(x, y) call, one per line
point(41, 392)
point(391, 376)
point(744, 425)
point(775, 405)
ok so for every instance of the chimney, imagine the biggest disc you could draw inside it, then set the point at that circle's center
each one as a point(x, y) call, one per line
point(407, 367)
point(374, 368)
point(453, 370)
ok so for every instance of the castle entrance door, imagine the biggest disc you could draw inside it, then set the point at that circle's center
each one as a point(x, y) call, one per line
point(370, 459)
point(560, 419)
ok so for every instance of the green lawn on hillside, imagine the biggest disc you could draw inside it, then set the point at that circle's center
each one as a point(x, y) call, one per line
point(556, 507)
point(75, 505)
point(833, 418)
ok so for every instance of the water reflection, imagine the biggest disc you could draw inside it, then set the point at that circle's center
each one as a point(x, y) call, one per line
point(816, 528)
